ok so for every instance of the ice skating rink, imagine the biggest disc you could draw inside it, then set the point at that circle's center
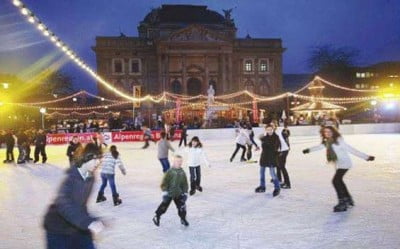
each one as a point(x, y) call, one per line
point(228, 214)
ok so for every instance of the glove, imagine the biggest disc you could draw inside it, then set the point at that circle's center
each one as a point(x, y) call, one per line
point(96, 227)
point(123, 172)
point(306, 151)
point(371, 158)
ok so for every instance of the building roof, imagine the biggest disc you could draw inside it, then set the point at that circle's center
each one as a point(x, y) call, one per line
point(318, 106)
point(184, 14)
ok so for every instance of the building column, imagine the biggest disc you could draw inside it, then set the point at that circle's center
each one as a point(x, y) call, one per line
point(160, 78)
point(223, 73)
point(166, 68)
point(207, 79)
point(184, 77)
point(230, 72)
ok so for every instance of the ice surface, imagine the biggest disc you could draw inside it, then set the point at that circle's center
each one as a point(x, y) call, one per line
point(228, 214)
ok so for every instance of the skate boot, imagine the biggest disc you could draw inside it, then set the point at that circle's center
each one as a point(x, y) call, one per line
point(100, 198)
point(243, 159)
point(341, 206)
point(349, 201)
point(199, 188)
point(44, 160)
point(5, 161)
point(276, 192)
point(285, 186)
point(184, 222)
point(231, 160)
point(117, 200)
point(260, 189)
point(156, 220)
point(192, 192)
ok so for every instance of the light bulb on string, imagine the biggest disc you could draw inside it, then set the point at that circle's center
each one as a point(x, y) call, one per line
point(31, 19)
point(41, 26)
point(46, 33)
point(25, 11)
point(17, 3)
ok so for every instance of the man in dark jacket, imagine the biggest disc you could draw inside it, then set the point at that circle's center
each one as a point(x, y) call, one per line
point(270, 145)
point(183, 134)
point(67, 222)
point(73, 146)
point(10, 139)
point(40, 146)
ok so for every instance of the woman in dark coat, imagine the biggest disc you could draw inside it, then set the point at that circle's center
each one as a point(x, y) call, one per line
point(270, 145)
point(67, 222)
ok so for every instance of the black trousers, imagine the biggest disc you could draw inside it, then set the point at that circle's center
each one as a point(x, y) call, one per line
point(281, 169)
point(28, 152)
point(195, 177)
point(10, 152)
point(146, 141)
point(249, 153)
point(340, 187)
point(40, 149)
point(239, 146)
point(180, 203)
point(183, 139)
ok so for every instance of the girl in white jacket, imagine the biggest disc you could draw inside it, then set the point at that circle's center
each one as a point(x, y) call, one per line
point(195, 156)
point(337, 152)
point(242, 139)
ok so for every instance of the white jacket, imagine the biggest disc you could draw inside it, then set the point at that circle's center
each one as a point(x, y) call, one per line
point(243, 137)
point(342, 150)
point(108, 164)
point(284, 145)
point(195, 156)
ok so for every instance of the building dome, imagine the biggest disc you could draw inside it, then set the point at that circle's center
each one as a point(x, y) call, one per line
point(187, 14)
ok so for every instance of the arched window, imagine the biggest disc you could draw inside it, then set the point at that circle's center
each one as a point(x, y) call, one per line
point(176, 86)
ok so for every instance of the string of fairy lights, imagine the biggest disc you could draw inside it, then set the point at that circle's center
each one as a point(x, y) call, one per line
point(166, 97)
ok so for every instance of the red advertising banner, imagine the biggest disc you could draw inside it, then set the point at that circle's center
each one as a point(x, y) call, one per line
point(109, 137)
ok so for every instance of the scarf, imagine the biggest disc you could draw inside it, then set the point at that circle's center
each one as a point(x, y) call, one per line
point(330, 153)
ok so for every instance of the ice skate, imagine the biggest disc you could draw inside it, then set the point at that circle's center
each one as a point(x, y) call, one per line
point(100, 198)
point(341, 206)
point(156, 220)
point(199, 188)
point(184, 222)
point(276, 192)
point(260, 189)
point(117, 200)
point(349, 201)
point(192, 192)
point(285, 186)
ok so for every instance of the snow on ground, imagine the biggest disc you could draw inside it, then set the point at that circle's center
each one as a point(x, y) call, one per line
point(228, 214)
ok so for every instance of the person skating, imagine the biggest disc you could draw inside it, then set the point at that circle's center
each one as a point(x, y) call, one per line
point(40, 146)
point(283, 134)
point(172, 132)
point(250, 142)
point(23, 143)
point(67, 223)
point(147, 136)
point(183, 135)
point(270, 145)
point(109, 161)
point(163, 147)
point(195, 156)
point(337, 153)
point(98, 140)
point(73, 146)
point(175, 187)
point(10, 140)
point(241, 140)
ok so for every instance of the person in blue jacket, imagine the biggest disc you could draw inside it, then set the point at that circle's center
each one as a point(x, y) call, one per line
point(67, 223)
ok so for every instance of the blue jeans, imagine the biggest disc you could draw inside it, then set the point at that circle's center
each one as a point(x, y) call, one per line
point(165, 164)
point(111, 179)
point(272, 174)
point(69, 241)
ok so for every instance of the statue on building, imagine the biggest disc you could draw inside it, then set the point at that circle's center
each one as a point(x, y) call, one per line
point(228, 16)
point(211, 94)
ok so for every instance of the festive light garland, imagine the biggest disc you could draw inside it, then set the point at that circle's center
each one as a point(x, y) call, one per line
point(56, 113)
point(34, 20)
point(342, 87)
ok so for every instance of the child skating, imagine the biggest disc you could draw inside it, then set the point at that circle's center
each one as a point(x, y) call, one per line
point(270, 145)
point(337, 153)
point(195, 157)
point(110, 160)
point(163, 147)
point(175, 188)
point(242, 139)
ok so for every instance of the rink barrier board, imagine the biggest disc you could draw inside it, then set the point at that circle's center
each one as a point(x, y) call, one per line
point(109, 137)
point(210, 134)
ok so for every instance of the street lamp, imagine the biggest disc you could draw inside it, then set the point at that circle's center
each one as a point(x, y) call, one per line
point(42, 112)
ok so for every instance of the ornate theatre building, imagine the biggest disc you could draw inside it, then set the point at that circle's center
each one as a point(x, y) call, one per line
point(185, 48)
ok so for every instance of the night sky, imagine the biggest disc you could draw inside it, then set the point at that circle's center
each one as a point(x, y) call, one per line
point(371, 26)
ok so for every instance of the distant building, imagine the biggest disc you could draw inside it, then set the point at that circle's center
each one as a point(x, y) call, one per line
point(378, 76)
point(185, 48)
